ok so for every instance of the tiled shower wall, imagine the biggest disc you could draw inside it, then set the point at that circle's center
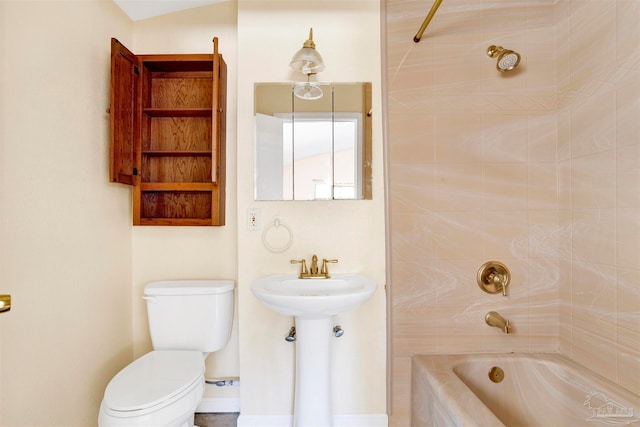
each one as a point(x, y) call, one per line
point(599, 168)
point(486, 165)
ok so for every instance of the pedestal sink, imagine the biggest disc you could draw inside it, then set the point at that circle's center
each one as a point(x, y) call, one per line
point(313, 302)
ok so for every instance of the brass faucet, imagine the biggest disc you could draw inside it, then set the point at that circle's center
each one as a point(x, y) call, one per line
point(312, 272)
point(494, 319)
point(314, 265)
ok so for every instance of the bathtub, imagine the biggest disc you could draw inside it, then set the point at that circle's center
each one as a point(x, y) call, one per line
point(541, 390)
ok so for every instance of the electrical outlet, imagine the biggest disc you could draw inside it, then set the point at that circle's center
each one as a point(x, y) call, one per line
point(253, 219)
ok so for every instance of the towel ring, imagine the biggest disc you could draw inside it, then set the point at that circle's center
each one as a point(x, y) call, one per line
point(277, 223)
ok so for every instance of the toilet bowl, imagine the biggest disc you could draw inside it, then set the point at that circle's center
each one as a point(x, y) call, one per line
point(187, 320)
point(162, 388)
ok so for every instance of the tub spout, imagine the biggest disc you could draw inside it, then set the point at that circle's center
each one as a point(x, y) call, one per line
point(494, 319)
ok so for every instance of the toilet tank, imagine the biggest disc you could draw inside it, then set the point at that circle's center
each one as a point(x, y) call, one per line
point(190, 314)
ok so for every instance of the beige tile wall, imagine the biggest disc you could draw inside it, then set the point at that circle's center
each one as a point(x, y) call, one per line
point(599, 162)
point(537, 168)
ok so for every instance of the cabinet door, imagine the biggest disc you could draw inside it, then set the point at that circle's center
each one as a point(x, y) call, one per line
point(218, 135)
point(125, 125)
point(218, 105)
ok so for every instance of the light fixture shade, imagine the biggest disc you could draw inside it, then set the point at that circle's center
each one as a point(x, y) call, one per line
point(306, 90)
point(307, 60)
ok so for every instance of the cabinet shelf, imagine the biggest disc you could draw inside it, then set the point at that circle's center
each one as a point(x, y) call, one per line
point(177, 153)
point(174, 221)
point(177, 186)
point(178, 112)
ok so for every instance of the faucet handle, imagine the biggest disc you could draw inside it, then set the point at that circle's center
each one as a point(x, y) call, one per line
point(303, 269)
point(325, 267)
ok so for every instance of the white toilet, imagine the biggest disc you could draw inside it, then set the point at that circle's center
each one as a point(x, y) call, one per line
point(188, 319)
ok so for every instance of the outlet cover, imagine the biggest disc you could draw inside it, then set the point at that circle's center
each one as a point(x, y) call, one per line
point(254, 222)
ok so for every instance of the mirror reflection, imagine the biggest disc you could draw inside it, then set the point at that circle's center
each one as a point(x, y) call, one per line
point(312, 149)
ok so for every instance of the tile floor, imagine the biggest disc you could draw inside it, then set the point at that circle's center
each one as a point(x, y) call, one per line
point(217, 420)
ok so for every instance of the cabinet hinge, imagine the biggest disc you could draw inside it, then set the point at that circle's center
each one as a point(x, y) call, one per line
point(136, 69)
point(135, 171)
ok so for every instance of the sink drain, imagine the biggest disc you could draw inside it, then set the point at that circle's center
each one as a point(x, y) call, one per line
point(496, 374)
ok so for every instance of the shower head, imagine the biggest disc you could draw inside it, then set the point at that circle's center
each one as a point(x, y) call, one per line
point(507, 59)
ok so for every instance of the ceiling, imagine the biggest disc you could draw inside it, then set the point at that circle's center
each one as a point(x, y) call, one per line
point(143, 9)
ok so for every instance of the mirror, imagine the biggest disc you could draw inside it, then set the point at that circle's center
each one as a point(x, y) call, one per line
point(312, 149)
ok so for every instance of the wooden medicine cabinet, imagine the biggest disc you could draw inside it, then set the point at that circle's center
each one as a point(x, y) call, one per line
point(168, 135)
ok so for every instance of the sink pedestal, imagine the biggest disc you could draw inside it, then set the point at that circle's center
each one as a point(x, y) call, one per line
point(312, 404)
point(313, 303)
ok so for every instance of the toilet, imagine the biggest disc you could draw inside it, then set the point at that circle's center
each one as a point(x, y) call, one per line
point(188, 319)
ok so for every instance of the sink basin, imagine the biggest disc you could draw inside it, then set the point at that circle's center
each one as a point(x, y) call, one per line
point(287, 294)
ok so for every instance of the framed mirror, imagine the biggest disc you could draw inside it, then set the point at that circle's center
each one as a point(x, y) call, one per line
point(312, 149)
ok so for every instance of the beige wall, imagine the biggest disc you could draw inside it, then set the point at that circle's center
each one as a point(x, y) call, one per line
point(65, 234)
point(347, 34)
point(75, 265)
point(537, 168)
point(161, 253)
point(1, 178)
point(1, 163)
point(599, 167)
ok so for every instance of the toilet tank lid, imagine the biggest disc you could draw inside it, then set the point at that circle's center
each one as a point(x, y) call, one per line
point(189, 287)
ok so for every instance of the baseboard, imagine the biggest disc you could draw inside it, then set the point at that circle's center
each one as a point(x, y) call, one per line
point(355, 420)
point(265, 420)
point(210, 405)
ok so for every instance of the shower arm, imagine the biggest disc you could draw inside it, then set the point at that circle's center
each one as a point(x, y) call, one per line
point(424, 25)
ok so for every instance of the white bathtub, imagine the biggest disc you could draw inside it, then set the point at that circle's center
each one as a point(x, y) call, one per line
point(541, 390)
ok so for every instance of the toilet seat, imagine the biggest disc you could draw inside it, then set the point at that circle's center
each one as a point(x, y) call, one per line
point(153, 381)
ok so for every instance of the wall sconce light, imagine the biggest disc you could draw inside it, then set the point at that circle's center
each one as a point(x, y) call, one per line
point(307, 61)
